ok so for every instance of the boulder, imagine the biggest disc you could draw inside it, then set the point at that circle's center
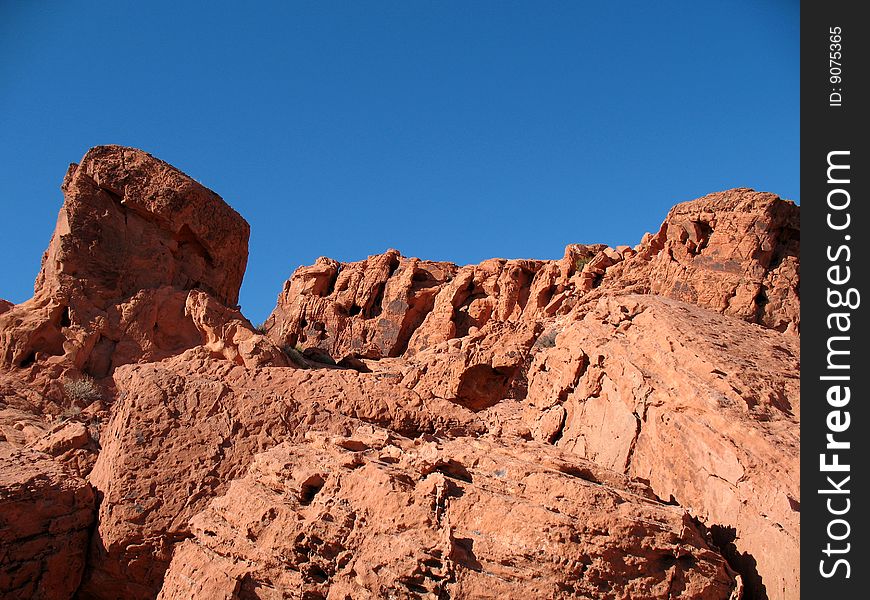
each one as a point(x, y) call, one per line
point(377, 515)
point(735, 252)
point(45, 517)
point(133, 237)
point(704, 407)
point(183, 428)
point(72, 443)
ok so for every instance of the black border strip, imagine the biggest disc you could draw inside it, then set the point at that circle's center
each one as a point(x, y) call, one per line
point(835, 223)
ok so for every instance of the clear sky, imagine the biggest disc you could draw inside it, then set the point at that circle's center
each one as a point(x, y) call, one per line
point(451, 130)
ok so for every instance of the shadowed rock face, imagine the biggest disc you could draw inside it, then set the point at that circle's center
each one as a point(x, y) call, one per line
point(617, 423)
point(45, 516)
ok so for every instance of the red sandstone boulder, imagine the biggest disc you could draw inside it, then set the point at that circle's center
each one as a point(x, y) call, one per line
point(45, 516)
point(131, 222)
point(735, 252)
point(703, 406)
point(377, 516)
point(19, 428)
point(134, 235)
point(182, 429)
point(388, 305)
point(227, 334)
point(72, 443)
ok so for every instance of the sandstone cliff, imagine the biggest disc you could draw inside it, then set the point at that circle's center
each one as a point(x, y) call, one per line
point(619, 423)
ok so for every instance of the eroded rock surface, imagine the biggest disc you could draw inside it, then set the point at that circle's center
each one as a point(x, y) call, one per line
point(184, 428)
point(133, 236)
point(704, 407)
point(377, 515)
point(72, 443)
point(45, 516)
point(735, 252)
point(621, 422)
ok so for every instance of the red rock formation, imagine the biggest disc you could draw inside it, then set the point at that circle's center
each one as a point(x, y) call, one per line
point(377, 515)
point(389, 305)
point(704, 407)
point(365, 309)
point(71, 443)
point(133, 236)
point(735, 252)
point(45, 514)
point(19, 427)
point(227, 334)
point(515, 412)
point(184, 428)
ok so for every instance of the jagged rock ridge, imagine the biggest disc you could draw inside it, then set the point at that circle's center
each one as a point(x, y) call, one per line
point(618, 423)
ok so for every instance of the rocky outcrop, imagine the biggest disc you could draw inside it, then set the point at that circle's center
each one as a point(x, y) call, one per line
point(622, 422)
point(225, 333)
point(18, 427)
point(131, 222)
point(182, 429)
point(45, 516)
point(735, 252)
point(469, 332)
point(134, 235)
point(389, 305)
point(366, 309)
point(376, 515)
point(704, 407)
point(72, 443)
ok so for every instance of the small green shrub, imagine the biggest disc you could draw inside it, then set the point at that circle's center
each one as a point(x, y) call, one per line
point(581, 262)
point(83, 390)
point(294, 353)
point(547, 339)
point(261, 328)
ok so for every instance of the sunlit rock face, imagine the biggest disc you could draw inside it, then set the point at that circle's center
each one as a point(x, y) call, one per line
point(619, 423)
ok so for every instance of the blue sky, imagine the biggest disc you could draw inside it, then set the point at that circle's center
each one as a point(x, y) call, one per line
point(449, 130)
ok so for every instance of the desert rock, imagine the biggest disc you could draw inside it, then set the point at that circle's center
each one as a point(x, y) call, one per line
point(620, 422)
point(45, 516)
point(71, 443)
point(376, 516)
point(704, 407)
point(735, 252)
point(134, 235)
point(182, 429)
